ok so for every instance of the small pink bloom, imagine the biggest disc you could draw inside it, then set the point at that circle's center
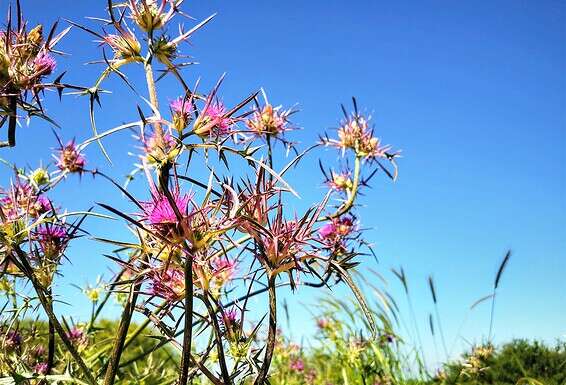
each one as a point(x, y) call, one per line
point(212, 121)
point(41, 368)
point(169, 284)
point(297, 365)
point(77, 336)
point(70, 158)
point(12, 340)
point(52, 239)
point(44, 64)
point(181, 106)
point(322, 323)
point(159, 213)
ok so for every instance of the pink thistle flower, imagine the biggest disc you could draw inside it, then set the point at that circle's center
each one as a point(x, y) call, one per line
point(230, 316)
point(337, 229)
point(41, 368)
point(39, 351)
point(327, 230)
point(181, 110)
point(12, 340)
point(355, 134)
point(161, 216)
point(22, 200)
point(223, 270)
point(181, 106)
point(77, 336)
point(212, 121)
point(340, 181)
point(44, 64)
point(297, 365)
point(52, 239)
point(311, 376)
point(160, 148)
point(150, 15)
point(269, 121)
point(70, 159)
point(169, 284)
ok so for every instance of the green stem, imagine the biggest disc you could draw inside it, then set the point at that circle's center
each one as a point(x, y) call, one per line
point(188, 333)
point(346, 206)
point(271, 334)
point(218, 336)
point(53, 318)
point(118, 348)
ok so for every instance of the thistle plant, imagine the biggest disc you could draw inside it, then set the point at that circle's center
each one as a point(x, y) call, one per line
point(199, 249)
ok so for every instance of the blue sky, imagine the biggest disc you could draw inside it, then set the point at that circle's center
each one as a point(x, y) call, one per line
point(474, 93)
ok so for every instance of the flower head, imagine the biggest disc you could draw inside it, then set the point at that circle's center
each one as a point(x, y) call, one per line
point(52, 239)
point(338, 228)
point(181, 110)
point(125, 45)
point(213, 120)
point(77, 336)
point(297, 365)
point(41, 368)
point(162, 216)
point(39, 177)
point(12, 340)
point(70, 158)
point(269, 121)
point(150, 15)
point(340, 182)
point(168, 284)
point(355, 134)
point(23, 200)
point(44, 64)
point(223, 271)
point(160, 149)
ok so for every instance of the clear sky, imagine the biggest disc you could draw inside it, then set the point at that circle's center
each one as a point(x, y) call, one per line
point(474, 93)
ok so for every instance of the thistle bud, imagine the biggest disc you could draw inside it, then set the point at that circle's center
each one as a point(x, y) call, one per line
point(35, 36)
point(39, 177)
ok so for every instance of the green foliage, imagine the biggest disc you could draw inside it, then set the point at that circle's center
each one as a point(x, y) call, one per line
point(520, 361)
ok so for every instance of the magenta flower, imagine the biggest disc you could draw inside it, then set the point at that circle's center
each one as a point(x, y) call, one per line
point(181, 110)
point(322, 323)
point(169, 284)
point(12, 340)
point(159, 148)
point(337, 229)
point(327, 230)
point(161, 215)
point(22, 200)
point(212, 121)
point(44, 64)
point(77, 336)
point(223, 270)
point(41, 368)
point(70, 159)
point(181, 106)
point(39, 351)
point(52, 239)
point(230, 316)
point(297, 365)
point(340, 181)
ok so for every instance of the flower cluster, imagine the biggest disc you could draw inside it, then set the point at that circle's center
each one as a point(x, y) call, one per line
point(23, 200)
point(269, 120)
point(355, 134)
point(24, 60)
